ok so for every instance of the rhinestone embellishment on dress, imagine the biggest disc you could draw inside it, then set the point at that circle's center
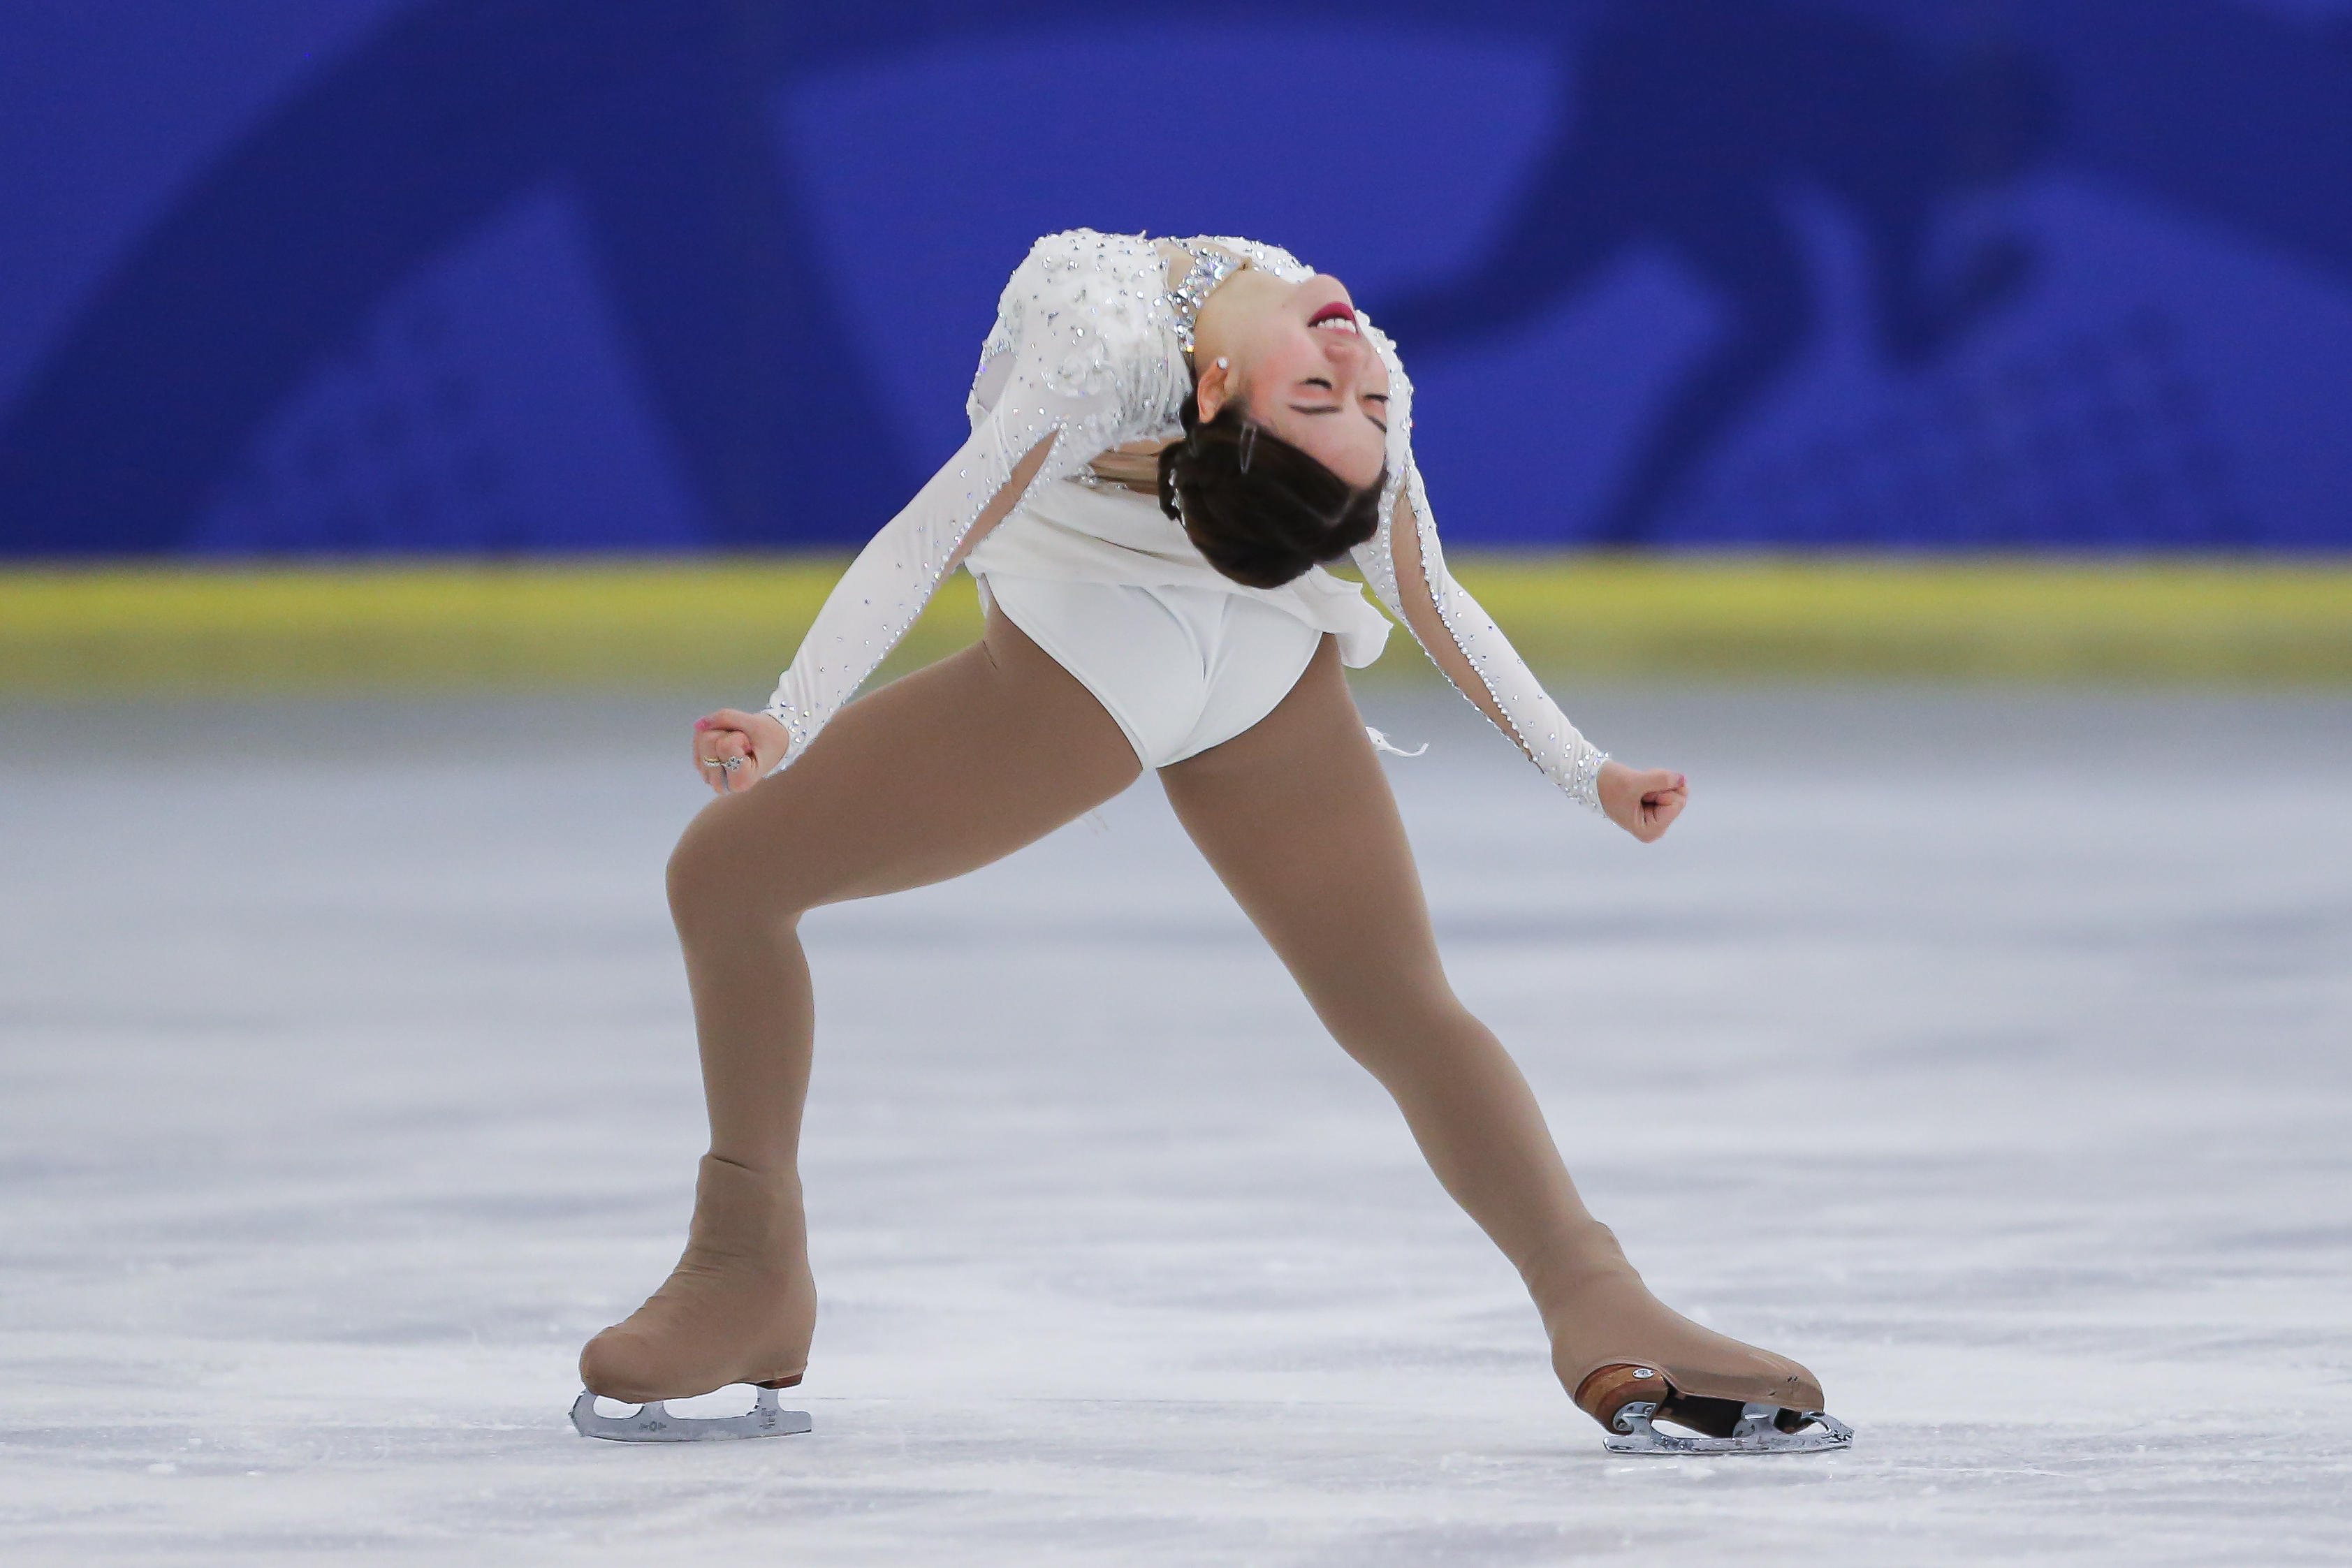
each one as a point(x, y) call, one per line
point(1210, 267)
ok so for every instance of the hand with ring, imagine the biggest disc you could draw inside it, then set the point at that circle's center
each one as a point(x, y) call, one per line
point(734, 750)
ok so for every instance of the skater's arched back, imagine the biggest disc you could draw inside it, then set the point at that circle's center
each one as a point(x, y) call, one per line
point(1169, 437)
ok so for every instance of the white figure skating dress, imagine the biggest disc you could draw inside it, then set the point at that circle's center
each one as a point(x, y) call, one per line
point(1090, 346)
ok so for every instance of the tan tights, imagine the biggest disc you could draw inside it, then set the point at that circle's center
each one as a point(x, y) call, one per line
point(982, 753)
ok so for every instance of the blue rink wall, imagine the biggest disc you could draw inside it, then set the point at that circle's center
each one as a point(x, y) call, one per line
point(354, 277)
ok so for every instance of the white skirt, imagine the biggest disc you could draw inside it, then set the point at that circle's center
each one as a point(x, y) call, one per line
point(1070, 532)
point(1180, 669)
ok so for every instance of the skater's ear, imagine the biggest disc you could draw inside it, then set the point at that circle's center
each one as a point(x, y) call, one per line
point(1217, 386)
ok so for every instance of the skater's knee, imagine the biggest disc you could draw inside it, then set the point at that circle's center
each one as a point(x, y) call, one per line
point(700, 890)
point(1405, 1024)
point(722, 873)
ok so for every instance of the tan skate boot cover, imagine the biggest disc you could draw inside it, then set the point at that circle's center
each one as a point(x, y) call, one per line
point(1603, 1317)
point(741, 1307)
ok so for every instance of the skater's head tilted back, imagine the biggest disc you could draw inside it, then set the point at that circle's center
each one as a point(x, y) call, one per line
point(1285, 444)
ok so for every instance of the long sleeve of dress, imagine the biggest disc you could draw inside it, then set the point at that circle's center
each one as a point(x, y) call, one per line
point(1059, 367)
point(1430, 604)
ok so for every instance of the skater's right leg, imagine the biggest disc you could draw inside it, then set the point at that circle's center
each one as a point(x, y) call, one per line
point(932, 776)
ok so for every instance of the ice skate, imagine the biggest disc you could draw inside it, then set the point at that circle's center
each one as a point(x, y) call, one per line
point(654, 1423)
point(1631, 1361)
point(739, 1308)
point(1629, 1400)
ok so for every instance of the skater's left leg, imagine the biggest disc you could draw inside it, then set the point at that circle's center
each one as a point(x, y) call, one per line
point(1297, 819)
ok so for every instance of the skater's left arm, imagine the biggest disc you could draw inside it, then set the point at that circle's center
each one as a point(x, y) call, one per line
point(1464, 641)
point(1405, 566)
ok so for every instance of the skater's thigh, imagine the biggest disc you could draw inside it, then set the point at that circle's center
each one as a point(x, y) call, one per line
point(932, 776)
point(1296, 817)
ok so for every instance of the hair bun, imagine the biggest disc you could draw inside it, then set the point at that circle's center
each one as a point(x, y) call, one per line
point(1258, 508)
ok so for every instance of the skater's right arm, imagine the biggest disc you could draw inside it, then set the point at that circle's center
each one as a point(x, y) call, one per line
point(1050, 394)
point(862, 619)
point(887, 587)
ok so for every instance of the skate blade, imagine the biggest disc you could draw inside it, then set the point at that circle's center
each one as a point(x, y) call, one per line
point(1756, 1434)
point(653, 1423)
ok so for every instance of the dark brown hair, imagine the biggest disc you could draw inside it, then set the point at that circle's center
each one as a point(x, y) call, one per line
point(1260, 509)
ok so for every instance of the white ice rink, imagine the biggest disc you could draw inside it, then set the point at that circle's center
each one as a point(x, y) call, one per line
point(1992, 1054)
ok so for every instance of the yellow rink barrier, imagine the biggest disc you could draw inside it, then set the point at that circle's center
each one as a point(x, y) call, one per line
point(727, 625)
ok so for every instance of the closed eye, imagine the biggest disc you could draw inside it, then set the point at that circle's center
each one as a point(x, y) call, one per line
point(1381, 398)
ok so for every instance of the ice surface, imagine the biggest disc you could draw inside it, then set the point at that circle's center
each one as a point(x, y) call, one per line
point(1987, 1052)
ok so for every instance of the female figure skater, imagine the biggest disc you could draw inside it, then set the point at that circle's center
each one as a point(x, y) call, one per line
point(1198, 636)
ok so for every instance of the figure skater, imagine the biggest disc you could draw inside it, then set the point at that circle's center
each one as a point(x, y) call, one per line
point(1200, 637)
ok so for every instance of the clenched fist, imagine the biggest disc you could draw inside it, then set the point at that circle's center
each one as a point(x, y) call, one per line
point(734, 750)
point(1645, 801)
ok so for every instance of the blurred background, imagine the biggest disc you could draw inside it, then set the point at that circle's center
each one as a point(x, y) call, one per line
point(1738, 324)
point(1929, 421)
